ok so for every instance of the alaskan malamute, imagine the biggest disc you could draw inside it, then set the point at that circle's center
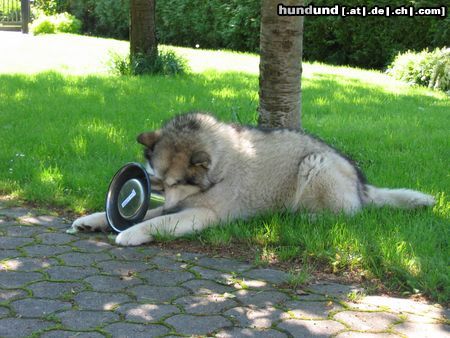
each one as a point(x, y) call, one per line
point(212, 172)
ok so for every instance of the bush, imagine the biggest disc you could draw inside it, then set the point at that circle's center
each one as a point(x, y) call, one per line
point(231, 24)
point(108, 18)
point(50, 7)
point(369, 42)
point(167, 62)
point(67, 23)
point(43, 25)
point(431, 69)
point(59, 23)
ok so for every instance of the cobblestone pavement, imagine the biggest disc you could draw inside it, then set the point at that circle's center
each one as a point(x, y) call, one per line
point(53, 284)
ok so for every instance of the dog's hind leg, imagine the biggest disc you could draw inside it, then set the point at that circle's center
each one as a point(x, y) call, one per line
point(177, 224)
point(327, 182)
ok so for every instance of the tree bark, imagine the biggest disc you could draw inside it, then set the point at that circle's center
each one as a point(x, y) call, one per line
point(280, 67)
point(142, 28)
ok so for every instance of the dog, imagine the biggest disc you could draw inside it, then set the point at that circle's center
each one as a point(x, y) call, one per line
point(212, 172)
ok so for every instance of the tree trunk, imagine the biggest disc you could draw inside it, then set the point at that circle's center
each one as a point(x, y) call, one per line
point(142, 28)
point(280, 66)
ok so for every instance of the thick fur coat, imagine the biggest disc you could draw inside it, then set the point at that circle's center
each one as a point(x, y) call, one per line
point(212, 172)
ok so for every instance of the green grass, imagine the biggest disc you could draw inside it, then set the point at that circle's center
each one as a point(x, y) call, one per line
point(66, 127)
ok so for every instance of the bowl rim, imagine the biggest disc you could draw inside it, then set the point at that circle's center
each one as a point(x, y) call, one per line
point(112, 192)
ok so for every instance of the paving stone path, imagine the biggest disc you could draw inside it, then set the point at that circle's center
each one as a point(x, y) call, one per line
point(53, 284)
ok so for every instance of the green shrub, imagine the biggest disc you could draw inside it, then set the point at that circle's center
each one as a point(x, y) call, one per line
point(67, 23)
point(43, 25)
point(369, 42)
point(48, 7)
point(167, 62)
point(59, 23)
point(112, 18)
point(119, 64)
point(232, 24)
point(108, 18)
point(431, 69)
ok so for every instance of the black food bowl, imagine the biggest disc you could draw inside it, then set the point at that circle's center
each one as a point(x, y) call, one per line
point(128, 197)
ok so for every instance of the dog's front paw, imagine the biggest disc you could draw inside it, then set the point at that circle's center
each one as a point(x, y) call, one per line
point(136, 235)
point(94, 222)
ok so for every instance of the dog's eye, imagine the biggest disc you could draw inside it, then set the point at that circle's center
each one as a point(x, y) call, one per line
point(191, 181)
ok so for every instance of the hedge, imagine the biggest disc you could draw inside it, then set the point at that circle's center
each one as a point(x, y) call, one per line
point(370, 42)
point(427, 68)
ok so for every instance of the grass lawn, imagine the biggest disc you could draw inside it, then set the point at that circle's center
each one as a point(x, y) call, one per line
point(66, 126)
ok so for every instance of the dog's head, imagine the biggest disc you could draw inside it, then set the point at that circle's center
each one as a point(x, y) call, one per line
point(178, 158)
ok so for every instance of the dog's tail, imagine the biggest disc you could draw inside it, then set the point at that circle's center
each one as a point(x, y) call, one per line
point(400, 198)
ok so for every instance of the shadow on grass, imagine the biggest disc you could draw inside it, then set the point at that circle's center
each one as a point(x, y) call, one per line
point(64, 137)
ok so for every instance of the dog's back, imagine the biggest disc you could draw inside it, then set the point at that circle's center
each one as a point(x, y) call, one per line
point(263, 170)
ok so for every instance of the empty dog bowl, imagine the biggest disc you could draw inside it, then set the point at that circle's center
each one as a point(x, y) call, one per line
point(128, 197)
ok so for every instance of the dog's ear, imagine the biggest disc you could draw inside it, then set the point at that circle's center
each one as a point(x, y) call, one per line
point(201, 159)
point(149, 139)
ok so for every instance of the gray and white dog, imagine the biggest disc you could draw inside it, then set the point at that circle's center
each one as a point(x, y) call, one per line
point(212, 172)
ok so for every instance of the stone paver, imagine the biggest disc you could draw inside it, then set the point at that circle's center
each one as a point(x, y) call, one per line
point(367, 321)
point(71, 334)
point(223, 264)
point(22, 327)
point(157, 294)
point(128, 330)
point(334, 289)
point(206, 304)
point(41, 250)
point(269, 275)
point(35, 307)
point(418, 330)
point(310, 310)
point(55, 290)
point(26, 264)
point(357, 334)
point(67, 273)
point(86, 320)
point(261, 298)
point(245, 333)
point(255, 317)
point(90, 300)
point(12, 279)
point(215, 275)
point(169, 278)
point(121, 268)
point(146, 313)
point(14, 242)
point(5, 253)
point(83, 259)
point(196, 325)
point(112, 283)
point(57, 285)
point(4, 312)
point(311, 328)
point(203, 286)
point(8, 295)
